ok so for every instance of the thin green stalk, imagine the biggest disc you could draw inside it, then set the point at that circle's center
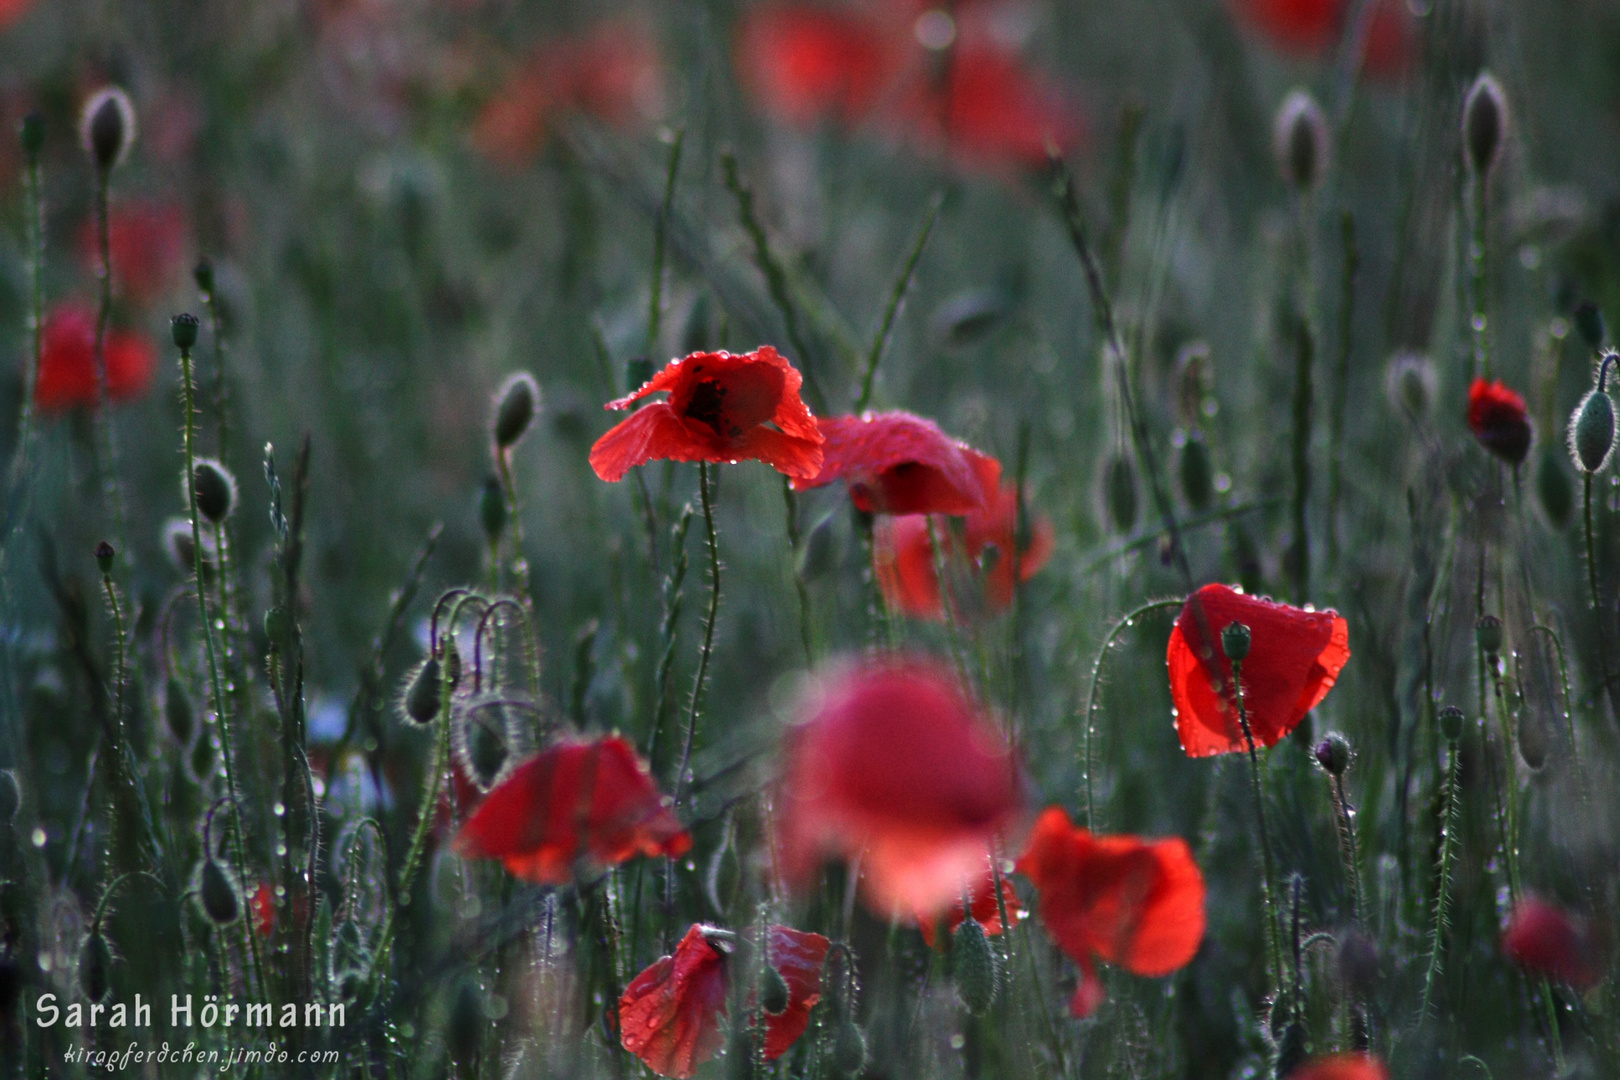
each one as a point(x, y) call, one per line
point(1341, 380)
point(106, 444)
point(706, 486)
point(901, 284)
point(882, 628)
point(655, 304)
point(34, 228)
point(1086, 759)
point(946, 605)
point(673, 599)
point(221, 394)
point(806, 630)
point(1352, 857)
point(1304, 392)
point(120, 658)
point(1268, 884)
point(1477, 264)
point(1448, 846)
point(520, 561)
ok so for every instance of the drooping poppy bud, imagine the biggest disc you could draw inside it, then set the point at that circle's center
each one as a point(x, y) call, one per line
point(975, 967)
point(215, 488)
point(421, 701)
point(1484, 123)
point(1357, 961)
point(1411, 383)
point(219, 899)
point(516, 402)
point(203, 275)
point(276, 624)
point(1333, 754)
point(774, 995)
point(1300, 141)
point(108, 127)
point(1488, 635)
point(184, 328)
point(95, 967)
point(492, 509)
point(1553, 489)
point(1119, 489)
point(1451, 723)
point(1591, 425)
point(104, 557)
point(849, 1048)
point(1532, 740)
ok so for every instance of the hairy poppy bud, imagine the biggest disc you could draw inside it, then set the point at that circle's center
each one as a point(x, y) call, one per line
point(184, 328)
point(178, 712)
point(1333, 754)
point(216, 490)
point(1357, 961)
point(1484, 121)
point(31, 132)
point(104, 557)
point(95, 967)
point(219, 900)
point(1532, 740)
point(108, 127)
point(849, 1048)
point(515, 405)
point(1591, 425)
point(975, 967)
point(10, 796)
point(1589, 321)
point(1197, 472)
point(1235, 640)
point(481, 748)
point(492, 509)
point(1488, 635)
point(203, 275)
point(1119, 488)
point(276, 624)
point(1300, 141)
point(1451, 723)
point(464, 1030)
point(774, 995)
point(421, 703)
point(1553, 489)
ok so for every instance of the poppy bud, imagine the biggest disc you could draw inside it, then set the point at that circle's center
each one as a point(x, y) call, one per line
point(481, 749)
point(216, 490)
point(178, 711)
point(1333, 754)
point(1291, 1050)
point(515, 405)
point(108, 127)
point(1411, 383)
point(10, 796)
point(95, 967)
point(219, 899)
point(1119, 487)
point(104, 557)
point(1532, 739)
point(1591, 426)
point(1589, 321)
point(203, 275)
point(849, 1048)
point(1235, 641)
point(1357, 960)
point(31, 131)
point(184, 328)
point(202, 757)
point(1300, 141)
point(1488, 635)
point(464, 1030)
point(774, 995)
point(421, 704)
point(1484, 121)
point(975, 967)
point(276, 624)
point(819, 555)
point(1451, 723)
point(492, 509)
point(1553, 489)
point(1197, 472)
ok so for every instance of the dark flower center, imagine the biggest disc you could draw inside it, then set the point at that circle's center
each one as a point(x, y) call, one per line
point(708, 406)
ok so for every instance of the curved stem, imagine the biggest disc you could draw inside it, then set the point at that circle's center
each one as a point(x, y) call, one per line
point(706, 484)
point(1119, 627)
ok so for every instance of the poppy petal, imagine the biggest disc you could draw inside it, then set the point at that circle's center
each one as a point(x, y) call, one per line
point(798, 956)
point(786, 454)
point(669, 1015)
point(1544, 939)
point(897, 463)
point(1343, 1067)
point(803, 63)
point(650, 434)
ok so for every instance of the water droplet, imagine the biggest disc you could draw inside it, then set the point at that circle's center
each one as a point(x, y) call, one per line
point(957, 1041)
point(38, 835)
point(278, 809)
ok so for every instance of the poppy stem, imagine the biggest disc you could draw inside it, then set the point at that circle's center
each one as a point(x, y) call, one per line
point(1448, 830)
point(806, 634)
point(945, 603)
point(706, 486)
point(1087, 762)
point(877, 609)
point(1341, 380)
point(520, 563)
point(901, 285)
point(106, 445)
point(34, 238)
point(1268, 884)
point(655, 303)
point(1352, 858)
point(1304, 359)
point(216, 327)
point(673, 598)
point(1477, 265)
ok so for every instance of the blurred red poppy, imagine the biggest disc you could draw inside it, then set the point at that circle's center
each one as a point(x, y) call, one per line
point(798, 956)
point(1314, 28)
point(892, 764)
point(1498, 419)
point(67, 364)
point(987, 109)
point(903, 557)
point(576, 800)
point(669, 1015)
point(611, 73)
point(263, 903)
point(985, 909)
point(1549, 941)
point(897, 463)
point(1294, 657)
point(718, 410)
point(147, 241)
point(12, 10)
point(807, 63)
point(1343, 1067)
point(1133, 902)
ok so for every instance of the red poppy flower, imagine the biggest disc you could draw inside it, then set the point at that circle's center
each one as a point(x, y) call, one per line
point(1314, 28)
point(892, 764)
point(1294, 657)
point(798, 956)
point(1343, 1067)
point(897, 463)
point(1548, 941)
point(263, 903)
point(1497, 417)
point(576, 800)
point(1133, 902)
point(903, 556)
point(985, 909)
point(67, 363)
point(806, 63)
point(611, 73)
point(718, 410)
point(988, 109)
point(148, 245)
point(669, 1015)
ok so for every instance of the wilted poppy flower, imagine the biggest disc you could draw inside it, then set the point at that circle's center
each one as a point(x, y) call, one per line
point(903, 556)
point(1497, 417)
point(1343, 1067)
point(798, 956)
point(67, 363)
point(148, 246)
point(1132, 902)
point(669, 1015)
point(985, 909)
point(892, 764)
point(722, 407)
point(806, 63)
point(1549, 941)
point(576, 800)
point(897, 463)
point(611, 73)
point(1314, 28)
point(1294, 657)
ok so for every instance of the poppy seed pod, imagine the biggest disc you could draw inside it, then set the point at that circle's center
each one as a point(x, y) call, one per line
point(1591, 425)
point(219, 900)
point(1589, 322)
point(421, 701)
point(1300, 141)
point(1333, 754)
point(1235, 641)
point(1451, 723)
point(774, 994)
point(215, 488)
point(975, 967)
point(95, 967)
point(1488, 635)
point(31, 133)
point(516, 402)
point(10, 796)
point(107, 127)
point(104, 557)
point(1119, 488)
point(178, 712)
point(492, 509)
point(184, 329)
point(849, 1048)
point(1484, 123)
